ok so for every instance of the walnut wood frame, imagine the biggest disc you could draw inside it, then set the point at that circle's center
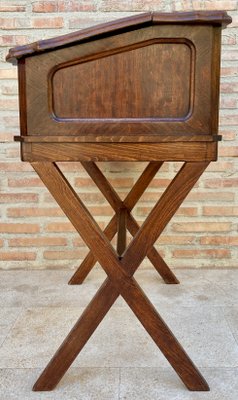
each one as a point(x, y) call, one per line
point(120, 272)
point(123, 220)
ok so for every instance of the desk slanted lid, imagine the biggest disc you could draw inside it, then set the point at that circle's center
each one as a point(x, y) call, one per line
point(130, 23)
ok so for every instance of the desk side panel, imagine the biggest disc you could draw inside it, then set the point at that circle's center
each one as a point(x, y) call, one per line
point(150, 80)
point(155, 80)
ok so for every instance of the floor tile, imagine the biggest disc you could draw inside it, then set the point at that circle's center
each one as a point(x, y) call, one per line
point(205, 334)
point(219, 275)
point(77, 384)
point(164, 384)
point(8, 316)
point(197, 292)
point(230, 292)
point(40, 309)
point(120, 340)
point(13, 278)
point(231, 315)
point(47, 288)
point(39, 333)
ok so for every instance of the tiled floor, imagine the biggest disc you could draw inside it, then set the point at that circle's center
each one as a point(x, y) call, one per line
point(120, 361)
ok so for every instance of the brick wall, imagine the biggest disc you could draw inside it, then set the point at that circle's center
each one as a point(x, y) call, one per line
point(34, 232)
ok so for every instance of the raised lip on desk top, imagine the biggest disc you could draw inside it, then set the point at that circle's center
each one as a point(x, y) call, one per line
point(118, 139)
point(220, 18)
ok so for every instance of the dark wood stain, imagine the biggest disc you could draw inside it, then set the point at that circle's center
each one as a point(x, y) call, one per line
point(130, 84)
point(143, 88)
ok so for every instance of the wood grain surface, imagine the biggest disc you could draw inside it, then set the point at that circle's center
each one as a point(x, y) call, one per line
point(120, 280)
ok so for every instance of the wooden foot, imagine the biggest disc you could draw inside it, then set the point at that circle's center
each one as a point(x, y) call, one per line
point(77, 338)
point(120, 275)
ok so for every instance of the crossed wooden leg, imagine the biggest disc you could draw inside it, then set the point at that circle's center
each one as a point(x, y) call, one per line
point(121, 219)
point(120, 279)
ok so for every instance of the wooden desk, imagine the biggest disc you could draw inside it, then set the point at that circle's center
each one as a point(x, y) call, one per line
point(144, 88)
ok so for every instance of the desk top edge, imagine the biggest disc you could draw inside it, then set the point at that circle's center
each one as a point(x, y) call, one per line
point(118, 139)
point(220, 18)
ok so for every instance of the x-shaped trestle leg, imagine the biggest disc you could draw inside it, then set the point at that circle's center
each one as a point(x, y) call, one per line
point(123, 209)
point(120, 275)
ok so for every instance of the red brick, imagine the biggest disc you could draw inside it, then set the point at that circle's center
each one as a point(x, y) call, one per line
point(101, 210)
point(151, 196)
point(8, 104)
point(17, 256)
point(63, 6)
point(25, 182)
point(15, 23)
point(229, 120)
point(60, 227)
point(65, 255)
point(18, 228)
point(205, 5)
point(8, 73)
point(15, 167)
point(13, 40)
point(5, 136)
point(227, 87)
point(210, 253)
point(7, 23)
point(219, 240)
point(220, 166)
point(171, 240)
point(115, 182)
point(13, 153)
point(9, 89)
point(228, 102)
point(18, 198)
point(228, 151)
point(12, 6)
point(129, 5)
point(34, 212)
point(187, 211)
point(234, 23)
point(210, 196)
point(229, 71)
point(221, 183)
point(74, 5)
point(202, 227)
point(220, 211)
point(49, 23)
point(12, 169)
point(37, 242)
point(11, 121)
point(45, 6)
point(228, 135)
point(229, 38)
point(230, 55)
point(73, 166)
point(87, 198)
point(160, 182)
point(84, 182)
point(81, 22)
point(121, 182)
point(78, 242)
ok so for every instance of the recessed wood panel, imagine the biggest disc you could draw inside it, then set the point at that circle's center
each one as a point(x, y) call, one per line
point(151, 81)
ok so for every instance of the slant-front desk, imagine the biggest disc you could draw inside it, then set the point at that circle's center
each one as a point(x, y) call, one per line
point(144, 88)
